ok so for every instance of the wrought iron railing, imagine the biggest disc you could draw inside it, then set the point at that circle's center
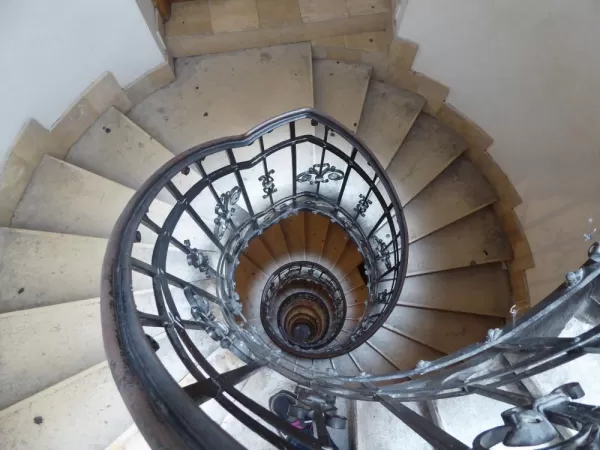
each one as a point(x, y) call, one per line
point(309, 274)
point(221, 176)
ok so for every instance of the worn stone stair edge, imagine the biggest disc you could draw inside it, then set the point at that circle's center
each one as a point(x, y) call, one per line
point(42, 309)
point(395, 69)
point(54, 388)
point(34, 140)
point(195, 45)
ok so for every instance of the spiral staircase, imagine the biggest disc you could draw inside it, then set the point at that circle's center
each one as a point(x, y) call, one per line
point(275, 221)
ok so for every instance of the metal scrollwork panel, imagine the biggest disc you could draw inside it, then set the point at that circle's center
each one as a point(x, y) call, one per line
point(225, 209)
point(268, 183)
point(320, 173)
point(363, 205)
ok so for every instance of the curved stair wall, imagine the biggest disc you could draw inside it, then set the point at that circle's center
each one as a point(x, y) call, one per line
point(99, 155)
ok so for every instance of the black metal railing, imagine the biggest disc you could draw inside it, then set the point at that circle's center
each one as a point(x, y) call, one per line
point(314, 275)
point(213, 221)
point(246, 184)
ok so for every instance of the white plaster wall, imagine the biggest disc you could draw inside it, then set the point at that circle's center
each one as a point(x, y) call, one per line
point(527, 72)
point(51, 51)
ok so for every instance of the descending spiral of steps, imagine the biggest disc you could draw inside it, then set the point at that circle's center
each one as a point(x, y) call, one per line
point(56, 390)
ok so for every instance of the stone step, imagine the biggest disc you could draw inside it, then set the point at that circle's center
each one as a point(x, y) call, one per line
point(483, 289)
point(475, 239)
point(200, 27)
point(340, 90)
point(316, 231)
point(443, 331)
point(428, 149)
point(199, 107)
point(117, 149)
point(227, 94)
point(400, 351)
point(67, 268)
point(388, 115)
point(458, 191)
point(348, 260)
point(345, 366)
point(372, 362)
point(274, 240)
point(43, 346)
point(295, 238)
point(87, 404)
point(259, 254)
point(335, 243)
point(63, 198)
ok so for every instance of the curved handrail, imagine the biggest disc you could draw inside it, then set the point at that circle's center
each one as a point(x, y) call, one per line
point(150, 393)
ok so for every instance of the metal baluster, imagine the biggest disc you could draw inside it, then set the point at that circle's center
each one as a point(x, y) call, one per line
point(322, 158)
point(213, 191)
point(346, 175)
point(240, 182)
point(390, 208)
point(261, 143)
point(293, 150)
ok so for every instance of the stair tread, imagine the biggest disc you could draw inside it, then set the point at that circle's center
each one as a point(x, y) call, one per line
point(274, 240)
point(89, 398)
point(372, 362)
point(58, 341)
point(403, 352)
point(223, 361)
point(117, 149)
point(245, 278)
point(388, 115)
point(356, 300)
point(475, 239)
point(443, 331)
point(483, 289)
point(67, 268)
point(340, 90)
point(316, 231)
point(226, 94)
point(345, 366)
point(428, 149)
point(349, 259)
point(82, 203)
point(457, 192)
point(352, 281)
point(322, 365)
point(335, 243)
point(43, 346)
point(259, 254)
point(63, 198)
point(293, 230)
